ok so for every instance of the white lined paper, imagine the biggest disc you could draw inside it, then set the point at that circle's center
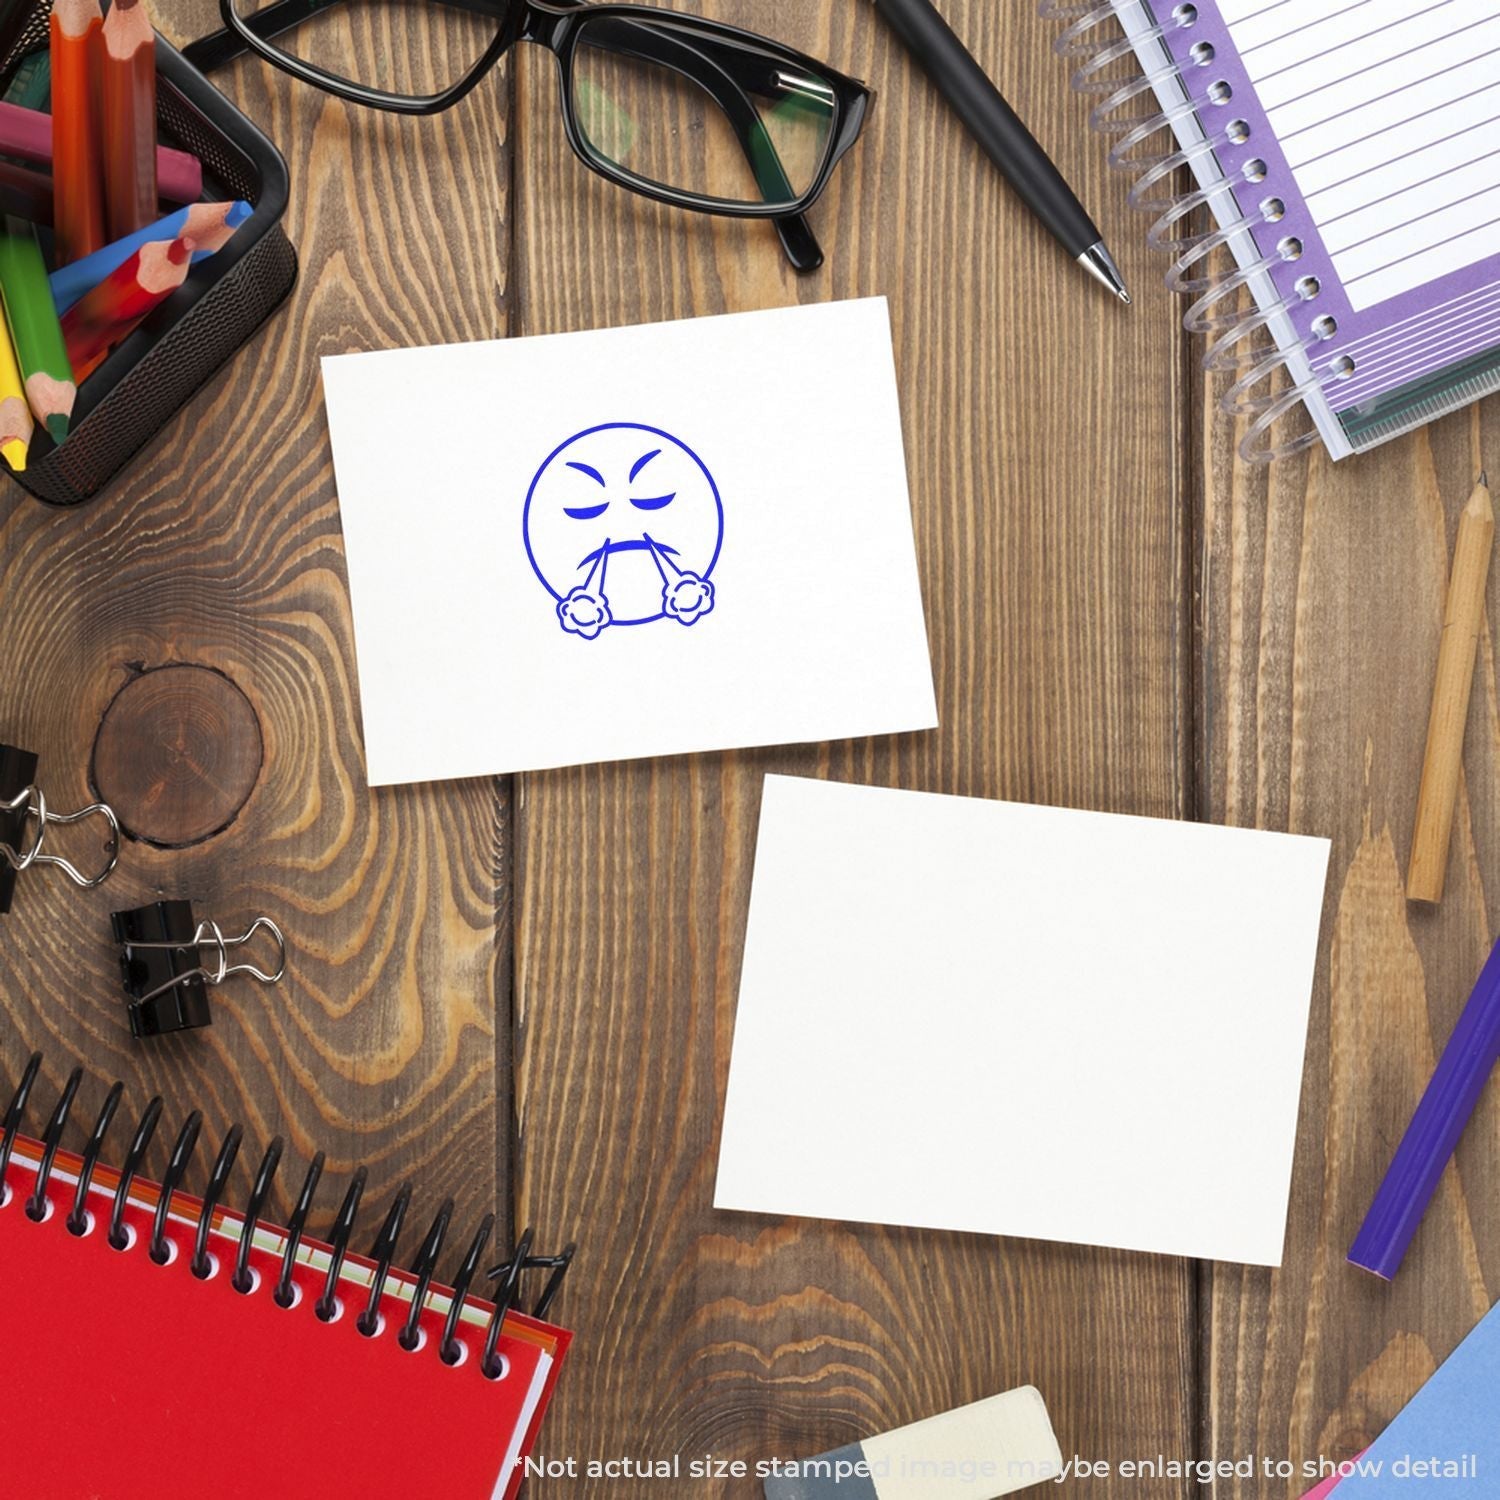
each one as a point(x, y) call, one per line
point(1389, 114)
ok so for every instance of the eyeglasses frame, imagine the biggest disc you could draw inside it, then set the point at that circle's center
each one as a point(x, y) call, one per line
point(557, 25)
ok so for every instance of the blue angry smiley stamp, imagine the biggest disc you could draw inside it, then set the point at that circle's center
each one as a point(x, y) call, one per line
point(623, 526)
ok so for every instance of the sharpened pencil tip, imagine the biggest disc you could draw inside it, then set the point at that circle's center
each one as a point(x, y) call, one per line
point(57, 427)
point(1484, 478)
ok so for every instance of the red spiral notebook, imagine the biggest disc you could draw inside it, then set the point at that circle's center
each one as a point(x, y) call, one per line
point(126, 1378)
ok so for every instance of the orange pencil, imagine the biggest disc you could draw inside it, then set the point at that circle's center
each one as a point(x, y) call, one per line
point(78, 183)
point(128, 119)
point(99, 320)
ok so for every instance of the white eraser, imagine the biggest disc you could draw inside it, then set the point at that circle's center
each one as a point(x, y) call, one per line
point(1006, 1439)
point(979, 1452)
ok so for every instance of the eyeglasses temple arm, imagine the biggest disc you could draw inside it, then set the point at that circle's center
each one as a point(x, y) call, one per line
point(798, 241)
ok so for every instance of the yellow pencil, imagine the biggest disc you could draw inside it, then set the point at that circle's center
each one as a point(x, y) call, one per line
point(1463, 624)
point(15, 415)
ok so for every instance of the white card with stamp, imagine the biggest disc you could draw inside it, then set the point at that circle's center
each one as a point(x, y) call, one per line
point(642, 541)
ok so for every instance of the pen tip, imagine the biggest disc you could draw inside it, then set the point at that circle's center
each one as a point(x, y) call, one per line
point(1098, 262)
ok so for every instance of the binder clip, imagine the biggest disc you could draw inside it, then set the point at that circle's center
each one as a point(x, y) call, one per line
point(166, 975)
point(25, 820)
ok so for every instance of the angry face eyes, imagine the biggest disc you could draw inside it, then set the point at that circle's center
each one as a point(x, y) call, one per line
point(593, 512)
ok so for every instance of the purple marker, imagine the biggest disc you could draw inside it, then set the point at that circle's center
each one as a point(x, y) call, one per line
point(1433, 1135)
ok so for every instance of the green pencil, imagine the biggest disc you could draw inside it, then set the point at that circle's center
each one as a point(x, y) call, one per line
point(31, 84)
point(34, 328)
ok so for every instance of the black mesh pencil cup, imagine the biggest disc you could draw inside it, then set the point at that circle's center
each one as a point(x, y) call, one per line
point(167, 361)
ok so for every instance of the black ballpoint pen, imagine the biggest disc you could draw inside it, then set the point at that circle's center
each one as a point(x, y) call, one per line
point(1006, 141)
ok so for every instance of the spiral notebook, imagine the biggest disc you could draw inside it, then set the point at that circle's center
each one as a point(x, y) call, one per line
point(139, 1380)
point(1348, 152)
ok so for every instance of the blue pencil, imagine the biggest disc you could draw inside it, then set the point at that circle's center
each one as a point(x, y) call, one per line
point(1433, 1136)
point(209, 224)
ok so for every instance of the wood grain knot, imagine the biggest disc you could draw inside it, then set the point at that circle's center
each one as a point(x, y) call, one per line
point(178, 753)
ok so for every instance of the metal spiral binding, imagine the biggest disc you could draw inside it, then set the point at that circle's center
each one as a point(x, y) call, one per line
point(1119, 114)
point(370, 1323)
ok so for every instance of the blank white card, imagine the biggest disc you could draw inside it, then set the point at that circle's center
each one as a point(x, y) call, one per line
point(1017, 1020)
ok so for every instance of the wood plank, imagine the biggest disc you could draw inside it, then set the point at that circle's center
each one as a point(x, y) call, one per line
point(222, 550)
point(1322, 607)
point(1045, 456)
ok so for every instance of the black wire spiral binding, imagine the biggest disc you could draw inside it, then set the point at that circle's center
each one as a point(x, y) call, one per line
point(450, 1351)
point(78, 1217)
point(284, 1294)
point(425, 1264)
point(242, 1281)
point(36, 1208)
point(118, 1239)
point(202, 1265)
point(383, 1253)
point(182, 1154)
point(13, 1117)
point(338, 1240)
point(504, 1300)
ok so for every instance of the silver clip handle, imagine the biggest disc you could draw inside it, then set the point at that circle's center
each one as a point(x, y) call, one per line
point(210, 933)
point(33, 804)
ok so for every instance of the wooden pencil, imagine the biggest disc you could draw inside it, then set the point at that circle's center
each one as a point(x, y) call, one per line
point(16, 425)
point(30, 86)
point(78, 182)
point(26, 135)
point(128, 119)
point(25, 193)
point(208, 225)
point(1463, 619)
point(34, 328)
point(99, 320)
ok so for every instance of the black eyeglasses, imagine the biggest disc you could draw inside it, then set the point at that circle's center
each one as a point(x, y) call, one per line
point(679, 109)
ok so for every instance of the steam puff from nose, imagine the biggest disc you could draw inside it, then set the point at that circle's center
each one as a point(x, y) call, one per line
point(584, 613)
point(687, 598)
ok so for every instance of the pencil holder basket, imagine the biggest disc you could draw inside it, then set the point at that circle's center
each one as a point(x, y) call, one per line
point(167, 361)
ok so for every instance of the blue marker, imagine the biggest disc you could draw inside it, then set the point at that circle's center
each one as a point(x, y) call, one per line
point(209, 223)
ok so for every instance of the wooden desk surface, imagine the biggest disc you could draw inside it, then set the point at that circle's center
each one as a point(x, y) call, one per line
point(521, 991)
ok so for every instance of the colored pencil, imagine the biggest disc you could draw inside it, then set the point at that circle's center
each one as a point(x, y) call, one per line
point(98, 321)
point(16, 425)
point(25, 193)
point(1463, 622)
point(128, 119)
point(77, 174)
point(1435, 1130)
point(34, 328)
point(26, 134)
point(31, 84)
point(208, 225)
